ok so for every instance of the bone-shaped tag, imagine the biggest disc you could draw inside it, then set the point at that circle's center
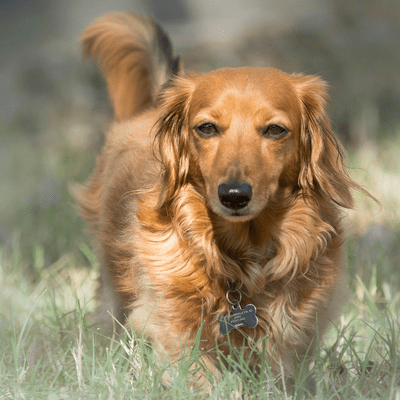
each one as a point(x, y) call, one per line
point(239, 317)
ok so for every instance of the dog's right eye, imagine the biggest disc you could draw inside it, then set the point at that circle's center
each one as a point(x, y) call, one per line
point(207, 129)
point(275, 131)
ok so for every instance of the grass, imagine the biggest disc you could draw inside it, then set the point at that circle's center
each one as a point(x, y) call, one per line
point(51, 351)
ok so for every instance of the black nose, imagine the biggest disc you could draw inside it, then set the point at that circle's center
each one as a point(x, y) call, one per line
point(234, 195)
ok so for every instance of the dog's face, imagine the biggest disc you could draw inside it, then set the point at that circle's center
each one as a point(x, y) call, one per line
point(250, 137)
point(244, 135)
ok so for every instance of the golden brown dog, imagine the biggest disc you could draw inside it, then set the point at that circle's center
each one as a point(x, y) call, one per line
point(217, 197)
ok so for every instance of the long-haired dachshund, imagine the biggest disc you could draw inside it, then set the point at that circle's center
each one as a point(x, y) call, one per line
point(216, 201)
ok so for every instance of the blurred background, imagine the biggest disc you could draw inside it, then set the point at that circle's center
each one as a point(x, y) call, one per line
point(54, 107)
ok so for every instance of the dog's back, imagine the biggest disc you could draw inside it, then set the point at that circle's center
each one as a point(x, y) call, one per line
point(136, 58)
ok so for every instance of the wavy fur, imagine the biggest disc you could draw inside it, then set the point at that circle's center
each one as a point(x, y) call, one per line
point(169, 247)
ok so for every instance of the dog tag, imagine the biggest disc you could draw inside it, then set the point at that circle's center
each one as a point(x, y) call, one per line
point(238, 318)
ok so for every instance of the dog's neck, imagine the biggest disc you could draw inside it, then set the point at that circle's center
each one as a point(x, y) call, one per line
point(232, 251)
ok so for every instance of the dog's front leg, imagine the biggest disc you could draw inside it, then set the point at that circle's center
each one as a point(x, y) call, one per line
point(175, 354)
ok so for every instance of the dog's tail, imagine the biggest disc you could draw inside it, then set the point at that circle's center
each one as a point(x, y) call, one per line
point(136, 59)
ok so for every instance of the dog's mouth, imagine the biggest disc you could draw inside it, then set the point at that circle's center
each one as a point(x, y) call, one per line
point(237, 215)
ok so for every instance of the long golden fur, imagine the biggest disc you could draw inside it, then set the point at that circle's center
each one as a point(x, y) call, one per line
point(205, 181)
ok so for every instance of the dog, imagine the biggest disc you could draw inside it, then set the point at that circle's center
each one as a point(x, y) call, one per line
point(217, 202)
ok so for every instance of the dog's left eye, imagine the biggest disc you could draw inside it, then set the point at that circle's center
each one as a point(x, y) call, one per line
point(207, 129)
point(274, 131)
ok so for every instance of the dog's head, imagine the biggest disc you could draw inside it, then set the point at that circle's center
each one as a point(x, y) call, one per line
point(248, 138)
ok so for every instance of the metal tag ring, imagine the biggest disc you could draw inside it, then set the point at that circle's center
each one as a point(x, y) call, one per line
point(235, 302)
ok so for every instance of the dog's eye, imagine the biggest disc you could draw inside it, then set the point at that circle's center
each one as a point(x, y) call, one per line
point(207, 129)
point(274, 131)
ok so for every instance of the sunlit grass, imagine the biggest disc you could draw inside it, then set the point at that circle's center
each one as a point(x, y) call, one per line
point(50, 349)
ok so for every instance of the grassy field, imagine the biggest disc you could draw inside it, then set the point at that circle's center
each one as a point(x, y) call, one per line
point(51, 349)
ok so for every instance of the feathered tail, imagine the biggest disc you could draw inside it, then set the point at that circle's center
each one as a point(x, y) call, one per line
point(136, 59)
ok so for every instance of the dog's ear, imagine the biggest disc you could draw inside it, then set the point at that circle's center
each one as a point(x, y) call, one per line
point(322, 170)
point(172, 138)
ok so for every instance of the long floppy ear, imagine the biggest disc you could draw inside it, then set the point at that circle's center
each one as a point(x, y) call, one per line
point(322, 172)
point(172, 137)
